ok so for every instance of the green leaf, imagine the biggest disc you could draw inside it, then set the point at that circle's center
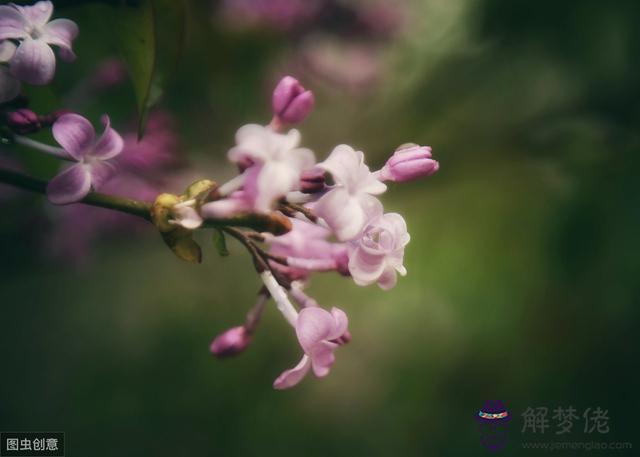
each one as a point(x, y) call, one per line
point(220, 243)
point(151, 36)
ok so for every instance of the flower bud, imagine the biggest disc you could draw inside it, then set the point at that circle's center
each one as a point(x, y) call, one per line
point(291, 102)
point(409, 163)
point(23, 121)
point(312, 181)
point(230, 343)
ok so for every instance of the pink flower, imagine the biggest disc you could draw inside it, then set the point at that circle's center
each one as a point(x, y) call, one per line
point(278, 163)
point(409, 163)
point(231, 342)
point(34, 61)
point(306, 248)
point(291, 102)
point(349, 205)
point(378, 254)
point(317, 330)
point(78, 138)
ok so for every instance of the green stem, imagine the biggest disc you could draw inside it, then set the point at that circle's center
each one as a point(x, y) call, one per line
point(122, 204)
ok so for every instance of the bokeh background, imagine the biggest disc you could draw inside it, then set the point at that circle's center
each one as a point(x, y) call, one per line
point(523, 265)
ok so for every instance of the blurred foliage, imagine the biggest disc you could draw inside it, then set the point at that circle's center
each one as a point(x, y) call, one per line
point(523, 265)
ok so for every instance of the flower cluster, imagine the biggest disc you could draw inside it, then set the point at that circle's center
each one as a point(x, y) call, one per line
point(300, 216)
point(27, 35)
point(337, 223)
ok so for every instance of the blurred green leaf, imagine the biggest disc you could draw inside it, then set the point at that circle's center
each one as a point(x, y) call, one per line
point(220, 243)
point(151, 36)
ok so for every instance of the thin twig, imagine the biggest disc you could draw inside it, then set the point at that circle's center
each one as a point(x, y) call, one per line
point(122, 204)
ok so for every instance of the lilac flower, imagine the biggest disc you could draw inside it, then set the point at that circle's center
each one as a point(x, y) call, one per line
point(306, 248)
point(277, 166)
point(348, 206)
point(78, 138)
point(77, 227)
point(378, 254)
point(231, 342)
point(317, 330)
point(291, 102)
point(34, 61)
point(408, 163)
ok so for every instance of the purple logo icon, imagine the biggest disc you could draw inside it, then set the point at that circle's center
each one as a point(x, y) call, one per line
point(492, 423)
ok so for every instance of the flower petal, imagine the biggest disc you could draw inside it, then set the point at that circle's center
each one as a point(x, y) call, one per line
point(61, 33)
point(322, 358)
point(37, 14)
point(312, 326)
point(365, 267)
point(186, 216)
point(110, 144)
point(7, 50)
point(101, 172)
point(341, 323)
point(226, 207)
point(70, 186)
point(388, 279)
point(12, 23)
point(290, 378)
point(346, 214)
point(343, 163)
point(75, 134)
point(33, 62)
point(274, 181)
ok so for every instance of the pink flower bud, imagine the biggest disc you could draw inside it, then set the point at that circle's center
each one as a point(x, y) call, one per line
point(23, 121)
point(291, 102)
point(230, 343)
point(409, 163)
point(312, 181)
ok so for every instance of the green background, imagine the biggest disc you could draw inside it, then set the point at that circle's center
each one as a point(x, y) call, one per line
point(523, 264)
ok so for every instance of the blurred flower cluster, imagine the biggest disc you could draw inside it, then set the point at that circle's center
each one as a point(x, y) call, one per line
point(339, 42)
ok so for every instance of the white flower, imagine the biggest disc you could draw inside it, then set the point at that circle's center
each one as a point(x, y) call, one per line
point(378, 254)
point(34, 61)
point(350, 204)
point(276, 165)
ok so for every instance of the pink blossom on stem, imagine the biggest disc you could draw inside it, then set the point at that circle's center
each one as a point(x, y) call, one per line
point(277, 165)
point(379, 253)
point(34, 61)
point(409, 163)
point(291, 102)
point(306, 248)
point(78, 138)
point(348, 206)
point(317, 331)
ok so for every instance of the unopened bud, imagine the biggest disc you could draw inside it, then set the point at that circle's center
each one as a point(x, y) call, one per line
point(312, 181)
point(409, 163)
point(291, 102)
point(23, 121)
point(230, 343)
